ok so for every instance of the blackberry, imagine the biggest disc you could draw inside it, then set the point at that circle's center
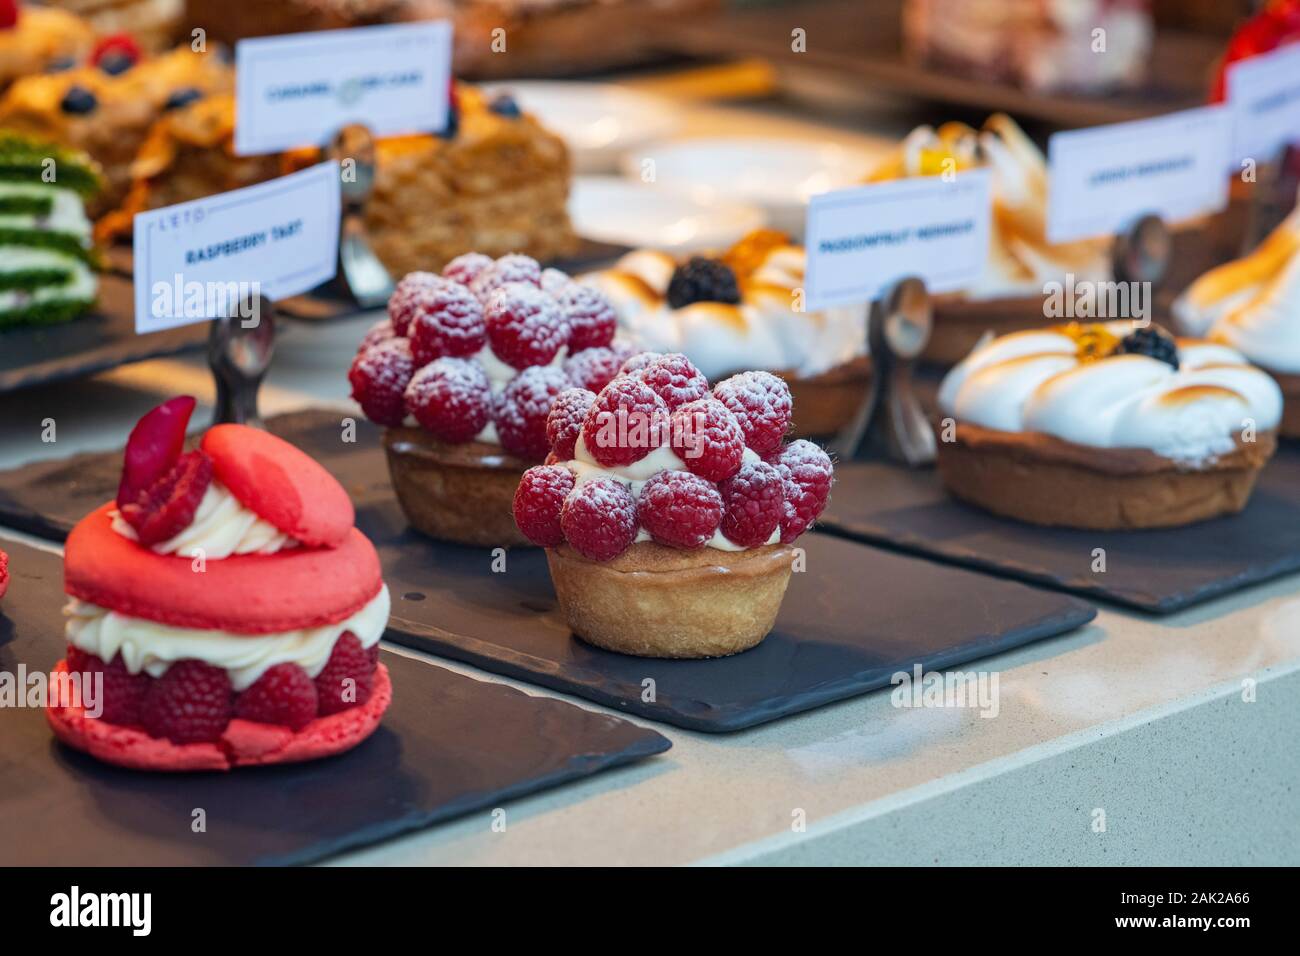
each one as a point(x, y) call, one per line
point(1153, 342)
point(503, 104)
point(702, 280)
point(182, 97)
point(78, 101)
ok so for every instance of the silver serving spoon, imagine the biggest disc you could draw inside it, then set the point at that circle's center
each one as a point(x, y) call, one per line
point(362, 273)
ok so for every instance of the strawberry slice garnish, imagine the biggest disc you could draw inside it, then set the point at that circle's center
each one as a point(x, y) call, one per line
point(167, 507)
point(154, 447)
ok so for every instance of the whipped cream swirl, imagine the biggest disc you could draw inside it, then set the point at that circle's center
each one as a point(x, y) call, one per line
point(221, 527)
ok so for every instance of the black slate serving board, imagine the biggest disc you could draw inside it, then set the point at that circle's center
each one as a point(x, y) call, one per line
point(1158, 571)
point(857, 616)
point(449, 745)
point(102, 339)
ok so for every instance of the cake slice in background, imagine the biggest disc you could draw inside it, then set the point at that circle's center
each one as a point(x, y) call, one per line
point(46, 255)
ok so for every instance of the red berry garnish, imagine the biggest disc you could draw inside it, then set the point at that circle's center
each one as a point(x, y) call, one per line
point(538, 501)
point(4, 573)
point(466, 268)
point(348, 677)
point(123, 692)
point(761, 403)
point(591, 318)
point(564, 422)
point(451, 398)
point(593, 368)
point(599, 519)
point(675, 379)
point(121, 45)
point(524, 325)
point(153, 447)
point(806, 473)
point(379, 377)
point(521, 411)
point(8, 14)
point(754, 499)
point(507, 269)
point(167, 507)
point(637, 361)
point(189, 704)
point(381, 331)
point(679, 509)
point(708, 439)
point(284, 695)
point(413, 287)
point(627, 421)
point(554, 282)
point(446, 319)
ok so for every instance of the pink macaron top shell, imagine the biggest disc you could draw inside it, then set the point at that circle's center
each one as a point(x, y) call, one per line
point(281, 484)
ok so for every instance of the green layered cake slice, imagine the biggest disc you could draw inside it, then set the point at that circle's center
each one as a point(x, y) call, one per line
point(47, 254)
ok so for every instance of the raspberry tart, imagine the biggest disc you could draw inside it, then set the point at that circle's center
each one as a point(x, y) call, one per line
point(226, 605)
point(1106, 426)
point(462, 375)
point(669, 509)
point(739, 311)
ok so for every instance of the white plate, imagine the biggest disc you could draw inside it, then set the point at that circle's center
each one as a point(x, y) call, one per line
point(610, 209)
point(599, 121)
point(775, 174)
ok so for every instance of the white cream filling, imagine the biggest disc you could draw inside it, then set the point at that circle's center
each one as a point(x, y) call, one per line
point(67, 214)
point(221, 527)
point(585, 468)
point(17, 258)
point(150, 647)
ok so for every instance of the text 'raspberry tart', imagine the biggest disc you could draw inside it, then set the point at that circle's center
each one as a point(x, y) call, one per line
point(1108, 426)
point(669, 509)
point(225, 606)
point(462, 375)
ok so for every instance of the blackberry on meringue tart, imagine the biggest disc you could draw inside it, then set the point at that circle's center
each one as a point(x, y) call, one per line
point(1106, 426)
point(226, 605)
point(669, 509)
point(462, 375)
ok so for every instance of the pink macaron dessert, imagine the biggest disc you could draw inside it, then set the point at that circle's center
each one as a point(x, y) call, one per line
point(230, 605)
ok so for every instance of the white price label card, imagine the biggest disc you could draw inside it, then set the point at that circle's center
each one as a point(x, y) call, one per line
point(199, 260)
point(862, 239)
point(300, 89)
point(1103, 178)
point(1264, 93)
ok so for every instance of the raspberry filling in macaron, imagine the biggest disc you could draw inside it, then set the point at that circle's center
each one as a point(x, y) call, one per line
point(223, 610)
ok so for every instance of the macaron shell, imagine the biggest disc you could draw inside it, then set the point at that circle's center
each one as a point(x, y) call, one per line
point(245, 743)
point(280, 484)
point(243, 594)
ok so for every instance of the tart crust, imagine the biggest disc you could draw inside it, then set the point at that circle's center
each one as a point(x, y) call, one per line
point(1044, 480)
point(461, 493)
point(827, 402)
point(654, 601)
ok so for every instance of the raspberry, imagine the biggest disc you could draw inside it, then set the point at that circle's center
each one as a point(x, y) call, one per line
point(451, 398)
point(189, 704)
point(806, 473)
point(170, 503)
point(381, 331)
point(538, 501)
point(402, 303)
point(593, 368)
point(564, 422)
point(675, 379)
point(599, 519)
point(524, 325)
point(379, 377)
point(122, 692)
point(754, 499)
point(507, 269)
point(554, 282)
point(637, 361)
point(761, 403)
point(679, 509)
point(348, 677)
point(522, 410)
point(284, 694)
point(446, 320)
point(627, 421)
point(466, 268)
point(707, 437)
point(153, 447)
point(591, 318)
